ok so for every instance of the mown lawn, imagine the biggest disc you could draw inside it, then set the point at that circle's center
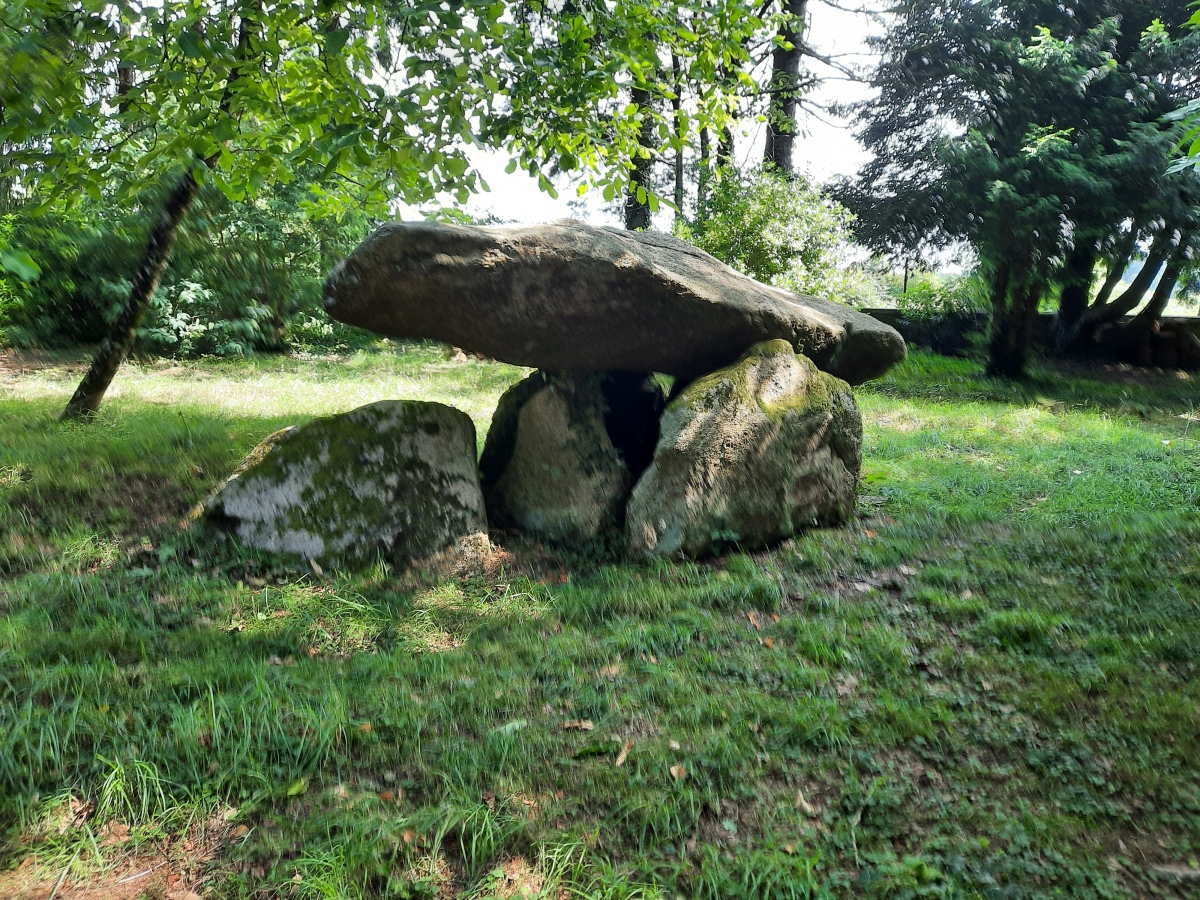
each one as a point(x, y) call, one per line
point(987, 686)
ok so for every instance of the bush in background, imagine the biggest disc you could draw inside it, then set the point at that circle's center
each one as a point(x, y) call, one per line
point(781, 231)
point(246, 277)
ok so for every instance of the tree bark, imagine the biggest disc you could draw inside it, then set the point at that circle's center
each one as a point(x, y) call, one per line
point(1076, 282)
point(1014, 313)
point(1162, 248)
point(116, 345)
point(784, 89)
point(702, 176)
point(637, 212)
point(725, 149)
point(1145, 320)
point(1117, 266)
point(677, 119)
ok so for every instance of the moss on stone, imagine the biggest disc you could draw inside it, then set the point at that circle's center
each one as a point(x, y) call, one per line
point(396, 478)
point(750, 453)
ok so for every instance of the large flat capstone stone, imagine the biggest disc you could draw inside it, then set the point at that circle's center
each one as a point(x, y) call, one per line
point(572, 297)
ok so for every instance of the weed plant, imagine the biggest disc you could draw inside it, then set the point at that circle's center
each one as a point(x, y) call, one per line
point(985, 686)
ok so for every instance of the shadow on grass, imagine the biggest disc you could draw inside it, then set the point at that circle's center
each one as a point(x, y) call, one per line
point(987, 681)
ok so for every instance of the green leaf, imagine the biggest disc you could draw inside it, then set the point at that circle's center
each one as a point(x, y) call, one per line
point(20, 264)
point(297, 787)
point(511, 167)
point(335, 40)
point(190, 44)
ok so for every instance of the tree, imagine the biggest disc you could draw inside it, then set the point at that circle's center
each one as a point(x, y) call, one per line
point(785, 86)
point(100, 98)
point(1030, 130)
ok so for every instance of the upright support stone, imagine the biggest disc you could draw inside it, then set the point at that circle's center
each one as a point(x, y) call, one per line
point(748, 455)
point(563, 452)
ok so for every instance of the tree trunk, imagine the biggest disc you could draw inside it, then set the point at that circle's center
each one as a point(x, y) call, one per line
point(677, 119)
point(1117, 266)
point(1145, 320)
point(1014, 313)
point(117, 343)
point(1162, 247)
point(784, 89)
point(702, 176)
point(1076, 293)
point(725, 149)
point(119, 340)
point(637, 212)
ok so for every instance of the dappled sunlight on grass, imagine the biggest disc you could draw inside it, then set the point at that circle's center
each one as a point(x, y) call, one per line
point(989, 680)
point(269, 386)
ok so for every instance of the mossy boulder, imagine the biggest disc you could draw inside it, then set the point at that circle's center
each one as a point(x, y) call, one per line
point(749, 454)
point(564, 450)
point(396, 479)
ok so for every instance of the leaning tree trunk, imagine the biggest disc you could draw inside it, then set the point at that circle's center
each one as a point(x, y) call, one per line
point(1108, 313)
point(784, 89)
point(117, 343)
point(1145, 320)
point(119, 340)
point(637, 211)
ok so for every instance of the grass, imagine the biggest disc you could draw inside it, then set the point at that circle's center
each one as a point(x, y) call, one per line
point(987, 686)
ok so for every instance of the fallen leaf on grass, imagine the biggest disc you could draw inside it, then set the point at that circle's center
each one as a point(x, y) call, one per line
point(579, 725)
point(678, 772)
point(803, 805)
point(755, 620)
point(115, 833)
point(612, 671)
point(365, 727)
point(674, 745)
point(624, 753)
point(489, 800)
point(769, 643)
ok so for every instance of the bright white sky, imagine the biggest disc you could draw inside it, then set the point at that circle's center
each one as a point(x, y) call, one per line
point(827, 148)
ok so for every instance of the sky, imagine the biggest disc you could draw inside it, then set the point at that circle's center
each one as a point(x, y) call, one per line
point(826, 148)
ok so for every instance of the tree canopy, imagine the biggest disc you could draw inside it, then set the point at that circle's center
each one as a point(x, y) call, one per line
point(376, 104)
point(1031, 131)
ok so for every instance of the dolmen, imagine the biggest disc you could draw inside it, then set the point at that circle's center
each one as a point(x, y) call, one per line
point(677, 407)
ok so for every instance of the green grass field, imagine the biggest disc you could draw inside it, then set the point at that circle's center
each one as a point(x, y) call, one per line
point(986, 686)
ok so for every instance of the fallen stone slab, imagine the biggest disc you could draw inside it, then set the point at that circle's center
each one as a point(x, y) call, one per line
point(567, 296)
point(748, 455)
point(396, 479)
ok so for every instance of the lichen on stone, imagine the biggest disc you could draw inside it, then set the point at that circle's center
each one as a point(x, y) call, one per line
point(749, 454)
point(396, 478)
